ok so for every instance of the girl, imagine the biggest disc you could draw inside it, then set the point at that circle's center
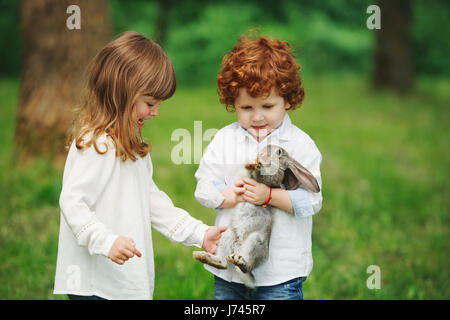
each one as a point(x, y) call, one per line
point(259, 80)
point(108, 199)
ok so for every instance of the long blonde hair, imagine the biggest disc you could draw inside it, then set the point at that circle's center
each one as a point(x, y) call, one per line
point(128, 67)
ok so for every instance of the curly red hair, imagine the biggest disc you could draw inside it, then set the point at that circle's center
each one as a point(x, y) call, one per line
point(260, 65)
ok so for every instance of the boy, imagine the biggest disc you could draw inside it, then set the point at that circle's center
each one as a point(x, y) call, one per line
point(259, 80)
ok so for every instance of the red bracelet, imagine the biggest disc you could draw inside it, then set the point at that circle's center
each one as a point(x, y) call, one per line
point(268, 200)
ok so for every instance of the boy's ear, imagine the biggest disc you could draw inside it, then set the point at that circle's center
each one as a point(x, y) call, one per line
point(287, 105)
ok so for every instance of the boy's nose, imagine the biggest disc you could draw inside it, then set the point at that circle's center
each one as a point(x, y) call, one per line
point(257, 117)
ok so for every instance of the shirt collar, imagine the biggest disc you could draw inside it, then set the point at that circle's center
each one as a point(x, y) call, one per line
point(282, 131)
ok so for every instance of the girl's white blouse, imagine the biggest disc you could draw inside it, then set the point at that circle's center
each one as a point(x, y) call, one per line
point(232, 147)
point(102, 198)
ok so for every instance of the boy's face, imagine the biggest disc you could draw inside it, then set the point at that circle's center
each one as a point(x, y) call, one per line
point(262, 115)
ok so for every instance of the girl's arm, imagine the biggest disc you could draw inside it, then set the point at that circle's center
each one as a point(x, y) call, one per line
point(177, 225)
point(85, 177)
point(172, 222)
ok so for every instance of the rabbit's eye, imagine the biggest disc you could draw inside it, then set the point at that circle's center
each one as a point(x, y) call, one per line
point(278, 152)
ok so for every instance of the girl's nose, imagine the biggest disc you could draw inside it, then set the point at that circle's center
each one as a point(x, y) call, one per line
point(155, 111)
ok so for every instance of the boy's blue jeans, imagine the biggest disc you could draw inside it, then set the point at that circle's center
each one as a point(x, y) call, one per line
point(76, 297)
point(289, 290)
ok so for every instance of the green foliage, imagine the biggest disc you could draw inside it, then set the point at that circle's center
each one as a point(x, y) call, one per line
point(324, 45)
point(430, 48)
point(328, 36)
point(321, 44)
point(137, 15)
point(197, 48)
point(10, 39)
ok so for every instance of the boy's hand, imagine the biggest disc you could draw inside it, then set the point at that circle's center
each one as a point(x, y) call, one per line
point(255, 192)
point(232, 196)
point(239, 189)
point(212, 237)
point(123, 249)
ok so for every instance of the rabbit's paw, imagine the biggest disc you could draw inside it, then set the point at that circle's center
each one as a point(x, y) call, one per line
point(199, 255)
point(205, 257)
point(238, 261)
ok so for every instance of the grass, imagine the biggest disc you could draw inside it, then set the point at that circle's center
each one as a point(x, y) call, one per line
point(385, 167)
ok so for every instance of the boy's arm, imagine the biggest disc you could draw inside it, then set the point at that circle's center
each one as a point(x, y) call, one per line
point(299, 201)
point(258, 194)
point(307, 203)
point(281, 199)
point(294, 201)
point(210, 176)
point(232, 196)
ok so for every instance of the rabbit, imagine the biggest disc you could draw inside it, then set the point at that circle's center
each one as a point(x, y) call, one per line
point(246, 241)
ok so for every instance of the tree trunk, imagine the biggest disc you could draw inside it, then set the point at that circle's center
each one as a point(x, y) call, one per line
point(162, 22)
point(54, 61)
point(393, 67)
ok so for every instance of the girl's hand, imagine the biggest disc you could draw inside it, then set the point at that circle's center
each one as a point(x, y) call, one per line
point(212, 237)
point(123, 249)
point(255, 192)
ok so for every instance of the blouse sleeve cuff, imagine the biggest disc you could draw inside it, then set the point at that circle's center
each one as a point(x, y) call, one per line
point(199, 235)
point(108, 244)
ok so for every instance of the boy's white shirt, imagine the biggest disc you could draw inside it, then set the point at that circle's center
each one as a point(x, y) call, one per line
point(290, 243)
point(102, 198)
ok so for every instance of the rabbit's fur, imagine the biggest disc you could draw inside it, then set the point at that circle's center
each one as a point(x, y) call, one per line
point(246, 241)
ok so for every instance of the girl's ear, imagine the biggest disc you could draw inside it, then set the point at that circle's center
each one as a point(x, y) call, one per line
point(296, 175)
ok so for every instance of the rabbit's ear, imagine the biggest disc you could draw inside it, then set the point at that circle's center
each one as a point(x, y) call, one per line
point(296, 175)
point(289, 180)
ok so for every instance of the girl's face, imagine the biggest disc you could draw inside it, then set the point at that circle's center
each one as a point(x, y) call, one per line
point(146, 107)
point(262, 115)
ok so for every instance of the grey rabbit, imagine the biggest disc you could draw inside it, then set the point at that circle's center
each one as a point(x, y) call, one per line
point(246, 241)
